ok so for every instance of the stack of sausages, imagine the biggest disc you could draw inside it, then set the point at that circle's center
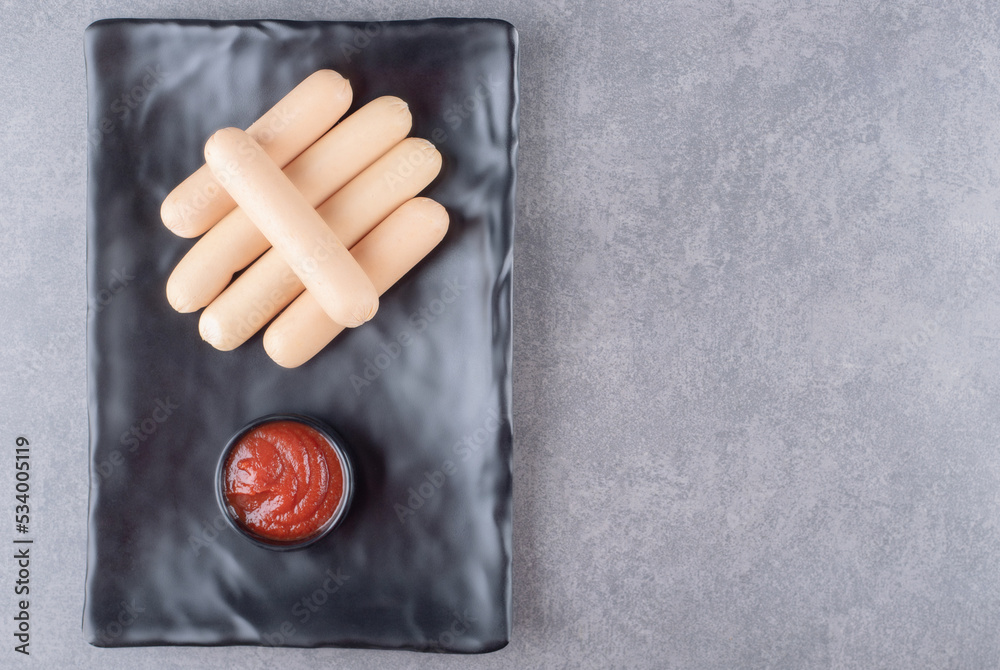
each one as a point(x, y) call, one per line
point(323, 216)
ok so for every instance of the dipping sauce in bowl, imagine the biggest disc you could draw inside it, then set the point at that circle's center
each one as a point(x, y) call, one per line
point(284, 481)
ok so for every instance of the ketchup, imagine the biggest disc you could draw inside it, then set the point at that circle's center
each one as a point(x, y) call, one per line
point(283, 481)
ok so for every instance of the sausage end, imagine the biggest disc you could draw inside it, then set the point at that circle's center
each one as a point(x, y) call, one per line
point(211, 331)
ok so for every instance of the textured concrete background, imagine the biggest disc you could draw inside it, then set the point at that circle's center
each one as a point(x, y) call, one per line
point(757, 378)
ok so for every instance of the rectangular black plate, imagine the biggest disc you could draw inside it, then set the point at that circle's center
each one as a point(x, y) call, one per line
point(423, 561)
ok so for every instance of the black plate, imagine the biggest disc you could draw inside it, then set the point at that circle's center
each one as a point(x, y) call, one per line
point(423, 561)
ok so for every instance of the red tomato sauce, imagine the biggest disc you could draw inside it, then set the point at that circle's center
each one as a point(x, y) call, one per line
point(283, 481)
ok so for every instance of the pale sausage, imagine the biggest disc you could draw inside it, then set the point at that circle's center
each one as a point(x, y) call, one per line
point(284, 131)
point(302, 238)
point(322, 169)
point(269, 284)
point(385, 254)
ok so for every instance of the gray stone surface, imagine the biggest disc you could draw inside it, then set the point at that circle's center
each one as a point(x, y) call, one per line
point(757, 375)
